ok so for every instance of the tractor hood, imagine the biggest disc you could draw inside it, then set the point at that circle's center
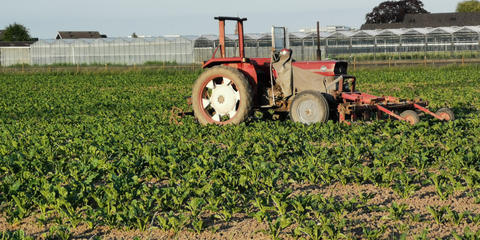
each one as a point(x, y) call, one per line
point(326, 68)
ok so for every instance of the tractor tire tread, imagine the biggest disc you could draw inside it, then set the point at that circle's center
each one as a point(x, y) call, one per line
point(240, 81)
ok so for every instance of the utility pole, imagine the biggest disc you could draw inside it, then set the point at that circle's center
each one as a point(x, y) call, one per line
point(319, 51)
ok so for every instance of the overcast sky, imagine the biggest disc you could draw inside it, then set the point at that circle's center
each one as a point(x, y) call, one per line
point(119, 18)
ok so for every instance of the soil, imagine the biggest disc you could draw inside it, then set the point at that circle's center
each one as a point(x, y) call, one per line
point(244, 227)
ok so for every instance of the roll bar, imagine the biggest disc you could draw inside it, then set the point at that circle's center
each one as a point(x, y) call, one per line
point(239, 21)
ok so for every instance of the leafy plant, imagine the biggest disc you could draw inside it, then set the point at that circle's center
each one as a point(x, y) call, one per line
point(375, 233)
point(467, 235)
point(442, 186)
point(19, 235)
point(454, 217)
point(397, 211)
point(438, 213)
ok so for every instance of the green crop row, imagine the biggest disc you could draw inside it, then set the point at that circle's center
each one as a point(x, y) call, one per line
point(101, 150)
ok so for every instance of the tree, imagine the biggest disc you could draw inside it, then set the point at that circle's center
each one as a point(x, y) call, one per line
point(16, 32)
point(134, 35)
point(394, 11)
point(468, 6)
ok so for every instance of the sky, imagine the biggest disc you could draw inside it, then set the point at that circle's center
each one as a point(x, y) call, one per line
point(120, 18)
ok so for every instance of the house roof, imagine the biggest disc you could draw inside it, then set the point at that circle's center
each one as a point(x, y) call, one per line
point(79, 34)
point(432, 20)
point(16, 44)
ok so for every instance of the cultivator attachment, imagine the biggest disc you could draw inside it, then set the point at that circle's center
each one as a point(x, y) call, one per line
point(357, 105)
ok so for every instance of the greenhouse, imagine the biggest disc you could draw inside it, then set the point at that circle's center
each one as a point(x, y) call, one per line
point(126, 51)
point(196, 49)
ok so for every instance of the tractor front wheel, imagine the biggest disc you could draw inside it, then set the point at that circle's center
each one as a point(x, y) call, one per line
point(222, 95)
point(309, 107)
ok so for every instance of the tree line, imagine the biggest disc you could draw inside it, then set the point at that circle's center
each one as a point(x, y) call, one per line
point(15, 33)
point(395, 11)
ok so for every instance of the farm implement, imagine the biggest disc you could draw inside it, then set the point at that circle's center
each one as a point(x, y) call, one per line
point(311, 92)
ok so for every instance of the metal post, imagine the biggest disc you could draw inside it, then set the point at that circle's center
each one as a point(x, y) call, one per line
point(319, 51)
point(303, 50)
point(73, 55)
point(452, 44)
point(213, 50)
point(350, 47)
point(426, 46)
point(222, 38)
point(354, 63)
point(240, 39)
point(326, 47)
point(400, 47)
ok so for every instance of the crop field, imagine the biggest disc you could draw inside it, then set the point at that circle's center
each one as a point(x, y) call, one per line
point(102, 155)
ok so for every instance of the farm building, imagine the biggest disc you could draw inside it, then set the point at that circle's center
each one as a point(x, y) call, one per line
point(79, 35)
point(127, 51)
point(12, 53)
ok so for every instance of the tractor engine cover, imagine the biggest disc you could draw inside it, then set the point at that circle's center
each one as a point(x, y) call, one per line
point(305, 79)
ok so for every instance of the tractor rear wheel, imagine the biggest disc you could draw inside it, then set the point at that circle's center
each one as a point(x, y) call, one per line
point(410, 116)
point(446, 114)
point(309, 107)
point(222, 95)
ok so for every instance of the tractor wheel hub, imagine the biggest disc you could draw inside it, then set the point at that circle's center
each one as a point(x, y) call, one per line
point(307, 111)
point(224, 99)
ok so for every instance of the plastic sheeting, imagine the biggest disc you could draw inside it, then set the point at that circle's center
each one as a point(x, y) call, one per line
point(14, 56)
point(123, 51)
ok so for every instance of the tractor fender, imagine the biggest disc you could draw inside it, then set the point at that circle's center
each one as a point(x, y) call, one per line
point(246, 68)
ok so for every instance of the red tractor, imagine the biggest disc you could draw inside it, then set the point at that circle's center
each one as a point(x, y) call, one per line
point(316, 91)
